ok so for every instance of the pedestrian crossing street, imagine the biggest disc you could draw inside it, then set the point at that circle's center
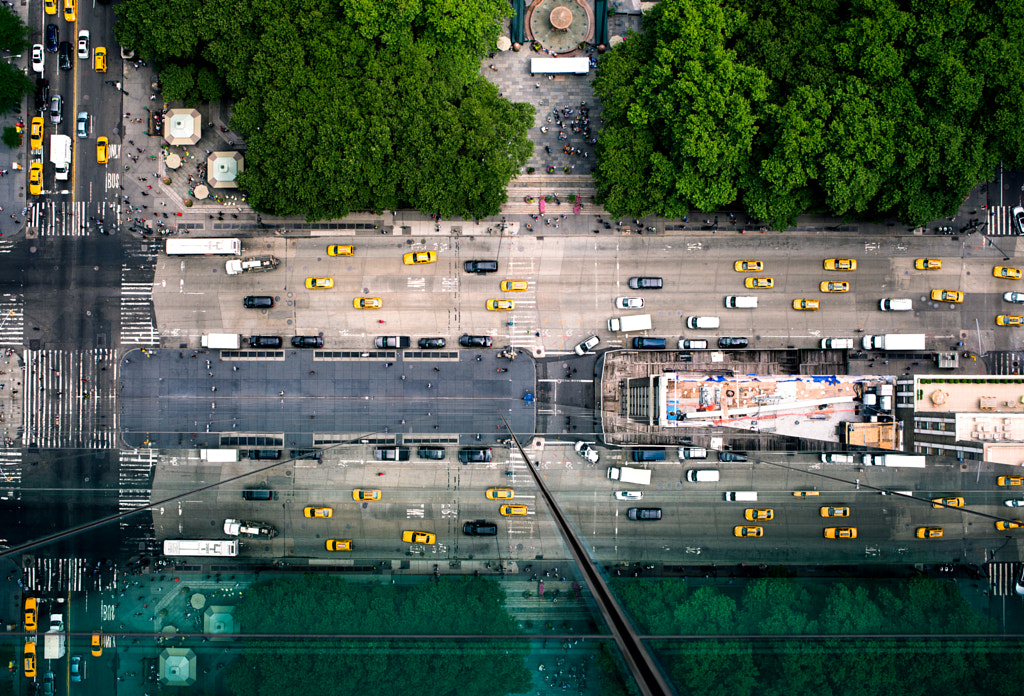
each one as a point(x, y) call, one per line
point(12, 319)
point(11, 474)
point(134, 486)
point(1000, 221)
point(1006, 362)
point(57, 576)
point(63, 218)
point(70, 399)
point(138, 322)
point(1002, 577)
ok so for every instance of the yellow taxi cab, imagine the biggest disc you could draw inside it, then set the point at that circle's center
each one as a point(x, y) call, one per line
point(840, 264)
point(947, 296)
point(368, 303)
point(928, 264)
point(99, 59)
point(513, 510)
point(339, 544)
point(102, 151)
point(1007, 273)
point(759, 283)
point(31, 614)
point(418, 537)
point(1010, 481)
point(50, 7)
point(340, 250)
point(840, 532)
point(324, 512)
point(828, 511)
point(500, 494)
point(35, 137)
point(834, 286)
point(30, 659)
point(505, 305)
point(753, 514)
point(35, 178)
point(1009, 320)
point(365, 494)
point(951, 501)
point(929, 532)
point(805, 304)
point(97, 644)
point(742, 531)
point(1003, 525)
point(69, 10)
point(804, 494)
point(748, 266)
point(314, 283)
point(514, 285)
point(415, 257)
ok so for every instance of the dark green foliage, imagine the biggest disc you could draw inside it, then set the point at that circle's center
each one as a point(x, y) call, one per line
point(13, 32)
point(889, 107)
point(11, 137)
point(14, 85)
point(348, 105)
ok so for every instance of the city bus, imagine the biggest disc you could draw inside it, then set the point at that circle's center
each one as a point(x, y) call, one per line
point(201, 547)
point(203, 247)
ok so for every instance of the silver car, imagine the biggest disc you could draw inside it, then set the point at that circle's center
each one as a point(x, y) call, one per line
point(584, 346)
point(1017, 297)
point(629, 495)
point(82, 124)
point(56, 109)
point(629, 302)
point(1013, 503)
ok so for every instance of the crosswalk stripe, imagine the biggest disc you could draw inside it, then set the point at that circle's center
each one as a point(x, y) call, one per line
point(1000, 221)
point(1002, 577)
point(68, 400)
point(12, 320)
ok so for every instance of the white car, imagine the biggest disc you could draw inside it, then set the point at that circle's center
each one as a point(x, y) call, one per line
point(584, 346)
point(586, 451)
point(37, 58)
point(629, 302)
point(1017, 297)
point(1018, 219)
point(83, 44)
point(1013, 503)
point(629, 495)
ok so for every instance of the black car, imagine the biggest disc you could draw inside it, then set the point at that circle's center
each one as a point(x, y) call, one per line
point(52, 38)
point(258, 301)
point(391, 454)
point(314, 454)
point(467, 341)
point(261, 454)
point(257, 494)
point(732, 342)
point(432, 343)
point(64, 56)
point(474, 454)
point(392, 342)
point(430, 452)
point(480, 528)
point(644, 514)
point(307, 342)
point(42, 93)
point(265, 341)
point(486, 266)
point(645, 283)
point(731, 457)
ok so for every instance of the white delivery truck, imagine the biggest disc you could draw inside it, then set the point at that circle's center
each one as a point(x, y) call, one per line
point(894, 342)
point(628, 474)
point(741, 496)
point(915, 461)
point(54, 640)
point(250, 529)
point(218, 455)
point(253, 264)
point(632, 322)
point(836, 458)
point(222, 341)
point(60, 156)
point(703, 475)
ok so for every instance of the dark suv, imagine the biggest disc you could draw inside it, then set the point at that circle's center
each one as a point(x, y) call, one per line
point(480, 528)
point(64, 56)
point(644, 513)
point(731, 457)
point(307, 342)
point(645, 283)
point(52, 38)
point(467, 341)
point(265, 341)
point(432, 343)
point(392, 342)
point(481, 266)
point(42, 93)
point(732, 342)
point(474, 454)
point(391, 454)
point(258, 301)
point(430, 452)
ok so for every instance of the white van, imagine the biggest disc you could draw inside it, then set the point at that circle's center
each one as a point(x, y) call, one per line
point(741, 302)
point(837, 343)
point(692, 344)
point(693, 453)
point(702, 475)
point(741, 496)
point(896, 304)
point(702, 322)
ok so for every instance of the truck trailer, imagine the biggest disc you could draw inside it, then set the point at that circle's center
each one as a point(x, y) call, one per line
point(250, 529)
point(222, 341)
point(915, 461)
point(627, 474)
point(632, 322)
point(894, 342)
point(253, 264)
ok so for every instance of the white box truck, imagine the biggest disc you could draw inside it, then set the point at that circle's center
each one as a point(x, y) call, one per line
point(60, 156)
point(628, 474)
point(54, 640)
point(633, 322)
point(741, 496)
point(219, 455)
point(222, 341)
point(915, 461)
point(894, 342)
